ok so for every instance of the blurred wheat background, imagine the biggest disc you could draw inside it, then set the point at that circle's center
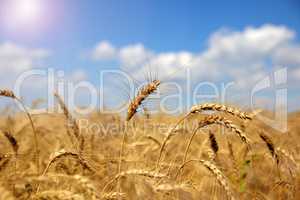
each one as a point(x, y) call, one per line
point(227, 154)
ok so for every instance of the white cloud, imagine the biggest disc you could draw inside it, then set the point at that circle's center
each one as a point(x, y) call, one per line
point(239, 54)
point(135, 55)
point(15, 58)
point(103, 51)
point(247, 45)
point(230, 55)
point(288, 55)
point(296, 73)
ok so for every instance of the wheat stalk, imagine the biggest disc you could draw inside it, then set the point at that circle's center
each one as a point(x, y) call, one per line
point(189, 144)
point(121, 157)
point(143, 93)
point(169, 135)
point(74, 125)
point(10, 94)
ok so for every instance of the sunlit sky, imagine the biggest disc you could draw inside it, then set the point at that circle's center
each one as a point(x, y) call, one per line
point(222, 41)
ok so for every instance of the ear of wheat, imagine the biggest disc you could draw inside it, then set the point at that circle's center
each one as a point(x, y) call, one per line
point(232, 157)
point(189, 144)
point(12, 141)
point(14, 145)
point(221, 108)
point(213, 142)
point(68, 115)
point(143, 93)
point(270, 146)
point(215, 171)
point(215, 119)
point(63, 153)
point(202, 107)
point(7, 93)
point(74, 126)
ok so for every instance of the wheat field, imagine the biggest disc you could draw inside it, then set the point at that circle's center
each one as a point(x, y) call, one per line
point(226, 153)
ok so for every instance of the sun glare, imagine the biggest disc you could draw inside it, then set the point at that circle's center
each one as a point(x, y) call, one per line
point(27, 18)
point(18, 14)
point(23, 12)
point(27, 10)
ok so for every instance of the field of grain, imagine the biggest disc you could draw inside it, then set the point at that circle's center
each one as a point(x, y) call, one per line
point(222, 154)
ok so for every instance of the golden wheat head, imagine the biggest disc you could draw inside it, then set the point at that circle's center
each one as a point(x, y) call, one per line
point(270, 145)
point(7, 93)
point(221, 108)
point(215, 119)
point(144, 92)
point(221, 178)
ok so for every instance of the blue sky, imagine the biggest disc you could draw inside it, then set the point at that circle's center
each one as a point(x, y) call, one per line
point(68, 33)
point(159, 25)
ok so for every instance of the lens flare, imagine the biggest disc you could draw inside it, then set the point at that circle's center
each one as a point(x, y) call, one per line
point(25, 11)
point(17, 14)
